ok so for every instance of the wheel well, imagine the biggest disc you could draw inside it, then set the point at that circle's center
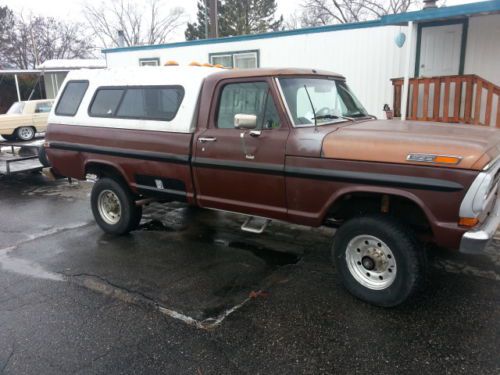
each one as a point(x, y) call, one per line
point(361, 203)
point(101, 170)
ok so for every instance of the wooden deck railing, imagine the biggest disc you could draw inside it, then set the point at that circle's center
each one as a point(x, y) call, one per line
point(466, 99)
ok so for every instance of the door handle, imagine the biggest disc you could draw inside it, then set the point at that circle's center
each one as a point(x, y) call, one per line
point(255, 133)
point(206, 139)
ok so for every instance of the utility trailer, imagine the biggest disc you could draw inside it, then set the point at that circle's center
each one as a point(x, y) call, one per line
point(20, 157)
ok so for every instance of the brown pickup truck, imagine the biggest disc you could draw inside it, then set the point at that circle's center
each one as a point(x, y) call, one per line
point(285, 144)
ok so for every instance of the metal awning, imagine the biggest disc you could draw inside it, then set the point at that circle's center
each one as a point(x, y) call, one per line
point(442, 13)
point(19, 71)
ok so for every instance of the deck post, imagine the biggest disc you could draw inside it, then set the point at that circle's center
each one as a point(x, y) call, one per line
point(409, 67)
point(17, 88)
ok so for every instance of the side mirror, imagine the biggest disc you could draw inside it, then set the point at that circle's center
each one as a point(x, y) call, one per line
point(243, 121)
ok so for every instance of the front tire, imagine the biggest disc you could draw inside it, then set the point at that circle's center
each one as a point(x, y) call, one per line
point(378, 260)
point(25, 133)
point(114, 208)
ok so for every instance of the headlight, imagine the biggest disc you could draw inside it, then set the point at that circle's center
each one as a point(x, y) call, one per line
point(480, 200)
point(480, 194)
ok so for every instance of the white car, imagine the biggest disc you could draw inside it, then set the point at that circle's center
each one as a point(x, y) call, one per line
point(24, 119)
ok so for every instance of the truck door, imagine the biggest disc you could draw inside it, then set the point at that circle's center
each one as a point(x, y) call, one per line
point(242, 170)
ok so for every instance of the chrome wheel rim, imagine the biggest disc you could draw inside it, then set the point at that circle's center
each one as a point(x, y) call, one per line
point(26, 133)
point(371, 262)
point(109, 206)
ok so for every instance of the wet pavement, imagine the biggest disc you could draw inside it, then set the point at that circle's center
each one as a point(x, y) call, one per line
point(188, 293)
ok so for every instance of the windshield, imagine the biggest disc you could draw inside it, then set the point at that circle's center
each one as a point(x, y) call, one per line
point(332, 101)
point(16, 108)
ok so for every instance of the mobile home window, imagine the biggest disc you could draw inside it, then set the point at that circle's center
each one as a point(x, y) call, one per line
point(239, 59)
point(106, 102)
point(71, 98)
point(151, 103)
point(154, 61)
point(224, 60)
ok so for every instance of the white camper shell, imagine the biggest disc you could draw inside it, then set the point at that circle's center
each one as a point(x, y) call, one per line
point(186, 81)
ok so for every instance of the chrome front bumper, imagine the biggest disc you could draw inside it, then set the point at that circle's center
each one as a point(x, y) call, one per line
point(476, 240)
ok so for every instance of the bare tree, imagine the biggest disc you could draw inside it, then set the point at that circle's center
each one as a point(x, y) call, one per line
point(29, 41)
point(145, 22)
point(326, 12)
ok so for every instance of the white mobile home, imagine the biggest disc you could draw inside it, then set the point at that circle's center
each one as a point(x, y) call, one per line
point(443, 62)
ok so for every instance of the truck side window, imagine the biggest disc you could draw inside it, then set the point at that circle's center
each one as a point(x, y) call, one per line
point(106, 102)
point(71, 98)
point(271, 118)
point(151, 103)
point(251, 98)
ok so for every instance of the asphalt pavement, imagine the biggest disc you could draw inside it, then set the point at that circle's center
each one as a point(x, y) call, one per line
point(189, 293)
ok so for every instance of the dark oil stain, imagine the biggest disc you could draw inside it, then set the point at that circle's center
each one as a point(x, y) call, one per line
point(273, 258)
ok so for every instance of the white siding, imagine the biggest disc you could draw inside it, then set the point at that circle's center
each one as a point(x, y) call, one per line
point(367, 57)
point(482, 56)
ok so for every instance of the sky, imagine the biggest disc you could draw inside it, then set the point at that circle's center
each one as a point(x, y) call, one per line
point(63, 10)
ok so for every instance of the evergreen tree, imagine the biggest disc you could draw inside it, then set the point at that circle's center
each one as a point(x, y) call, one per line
point(237, 17)
point(198, 29)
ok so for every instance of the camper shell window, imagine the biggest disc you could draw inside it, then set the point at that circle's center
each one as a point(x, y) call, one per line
point(71, 98)
point(159, 103)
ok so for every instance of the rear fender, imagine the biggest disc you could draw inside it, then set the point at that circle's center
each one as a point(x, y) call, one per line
point(93, 163)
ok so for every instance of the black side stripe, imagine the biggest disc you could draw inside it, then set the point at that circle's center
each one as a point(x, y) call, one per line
point(381, 179)
point(410, 182)
point(126, 153)
point(244, 166)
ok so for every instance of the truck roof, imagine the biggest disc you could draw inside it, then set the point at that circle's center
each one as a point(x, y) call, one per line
point(191, 78)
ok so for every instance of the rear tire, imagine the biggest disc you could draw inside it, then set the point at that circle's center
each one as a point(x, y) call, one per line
point(379, 260)
point(42, 157)
point(114, 208)
point(25, 133)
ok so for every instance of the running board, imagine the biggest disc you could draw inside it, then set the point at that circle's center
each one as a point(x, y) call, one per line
point(246, 226)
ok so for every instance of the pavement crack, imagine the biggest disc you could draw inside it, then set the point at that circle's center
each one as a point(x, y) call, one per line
point(7, 361)
point(89, 365)
point(114, 290)
point(100, 284)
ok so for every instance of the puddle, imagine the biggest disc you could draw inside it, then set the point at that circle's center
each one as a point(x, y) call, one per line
point(273, 258)
point(164, 218)
point(155, 225)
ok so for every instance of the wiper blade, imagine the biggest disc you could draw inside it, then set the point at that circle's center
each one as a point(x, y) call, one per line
point(333, 117)
point(322, 117)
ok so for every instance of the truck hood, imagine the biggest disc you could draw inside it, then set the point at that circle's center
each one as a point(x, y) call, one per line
point(392, 141)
